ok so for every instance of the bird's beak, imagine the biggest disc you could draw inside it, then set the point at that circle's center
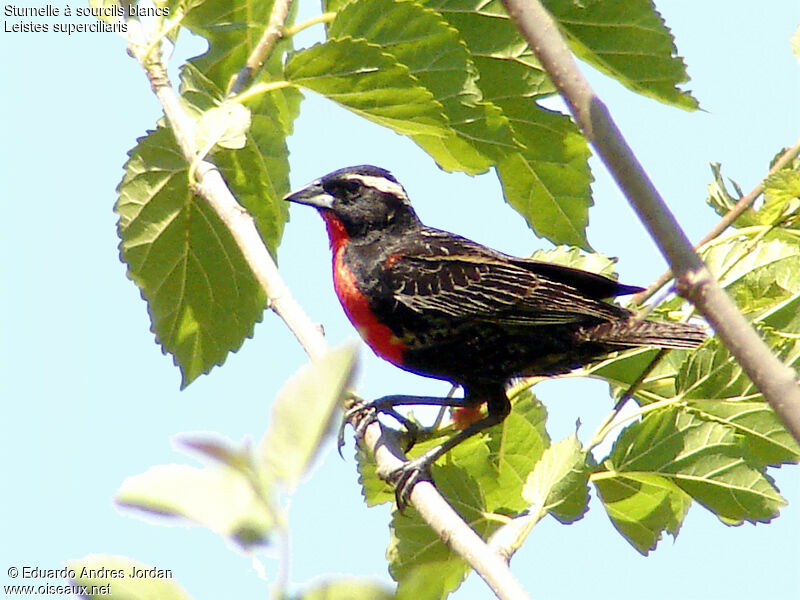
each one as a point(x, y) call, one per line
point(313, 195)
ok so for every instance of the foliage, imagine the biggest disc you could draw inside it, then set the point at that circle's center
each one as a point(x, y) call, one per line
point(456, 78)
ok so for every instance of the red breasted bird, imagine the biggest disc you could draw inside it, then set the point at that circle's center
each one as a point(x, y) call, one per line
point(442, 306)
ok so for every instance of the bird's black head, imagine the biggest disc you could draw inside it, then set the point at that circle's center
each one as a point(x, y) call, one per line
point(364, 199)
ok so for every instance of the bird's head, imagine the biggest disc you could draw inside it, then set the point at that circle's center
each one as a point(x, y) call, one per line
point(361, 200)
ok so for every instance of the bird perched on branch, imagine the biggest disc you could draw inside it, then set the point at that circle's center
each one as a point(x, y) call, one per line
point(442, 306)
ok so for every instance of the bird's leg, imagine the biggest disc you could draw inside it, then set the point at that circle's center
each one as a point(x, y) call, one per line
point(405, 477)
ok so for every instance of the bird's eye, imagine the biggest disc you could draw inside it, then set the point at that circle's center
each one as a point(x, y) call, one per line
point(347, 190)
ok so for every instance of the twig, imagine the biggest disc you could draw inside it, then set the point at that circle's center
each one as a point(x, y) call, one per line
point(742, 205)
point(382, 442)
point(272, 33)
point(776, 382)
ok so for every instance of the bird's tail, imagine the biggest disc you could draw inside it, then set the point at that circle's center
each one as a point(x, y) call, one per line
point(631, 333)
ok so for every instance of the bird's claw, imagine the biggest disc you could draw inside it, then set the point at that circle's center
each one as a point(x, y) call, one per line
point(360, 415)
point(406, 476)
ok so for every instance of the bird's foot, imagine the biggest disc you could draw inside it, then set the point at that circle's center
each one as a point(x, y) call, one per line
point(362, 414)
point(406, 476)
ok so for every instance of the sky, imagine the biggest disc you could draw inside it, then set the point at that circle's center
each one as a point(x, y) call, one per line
point(88, 399)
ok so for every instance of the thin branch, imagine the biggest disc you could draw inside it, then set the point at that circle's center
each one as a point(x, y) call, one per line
point(742, 205)
point(382, 442)
point(777, 382)
point(272, 33)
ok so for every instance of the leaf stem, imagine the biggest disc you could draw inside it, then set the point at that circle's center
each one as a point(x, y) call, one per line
point(258, 89)
point(297, 28)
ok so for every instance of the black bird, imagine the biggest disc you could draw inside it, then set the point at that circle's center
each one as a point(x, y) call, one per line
point(442, 306)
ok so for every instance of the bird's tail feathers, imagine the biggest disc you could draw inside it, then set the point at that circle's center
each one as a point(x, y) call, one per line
point(633, 333)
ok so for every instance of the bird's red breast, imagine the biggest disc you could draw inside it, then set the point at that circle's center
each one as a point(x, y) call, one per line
point(356, 306)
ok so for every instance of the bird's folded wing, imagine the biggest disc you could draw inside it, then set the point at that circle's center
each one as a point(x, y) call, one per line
point(485, 287)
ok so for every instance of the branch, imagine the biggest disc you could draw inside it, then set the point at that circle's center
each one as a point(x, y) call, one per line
point(742, 205)
point(272, 33)
point(776, 382)
point(382, 442)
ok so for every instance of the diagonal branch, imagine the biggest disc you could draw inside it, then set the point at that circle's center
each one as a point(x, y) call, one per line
point(382, 442)
point(776, 382)
point(742, 205)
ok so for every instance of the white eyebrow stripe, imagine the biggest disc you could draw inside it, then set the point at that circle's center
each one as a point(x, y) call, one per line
point(381, 184)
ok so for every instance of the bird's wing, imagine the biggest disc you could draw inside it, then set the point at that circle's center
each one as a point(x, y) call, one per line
point(461, 279)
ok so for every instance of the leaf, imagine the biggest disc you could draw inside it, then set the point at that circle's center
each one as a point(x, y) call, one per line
point(202, 297)
point(304, 412)
point(547, 181)
point(558, 482)
point(420, 39)
point(225, 125)
point(571, 256)
point(361, 77)
point(717, 389)
point(374, 489)
point(628, 41)
point(642, 506)
point(346, 588)
point(782, 198)
point(704, 458)
point(219, 498)
point(109, 576)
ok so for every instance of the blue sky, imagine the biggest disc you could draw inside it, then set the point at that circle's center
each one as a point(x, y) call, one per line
point(89, 399)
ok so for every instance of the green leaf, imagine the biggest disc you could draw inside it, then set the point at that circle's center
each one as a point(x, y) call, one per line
point(642, 506)
point(628, 41)
point(202, 297)
point(219, 498)
point(304, 413)
point(363, 78)
point(121, 578)
point(781, 198)
point(558, 482)
point(706, 459)
point(225, 126)
point(420, 39)
point(425, 582)
point(374, 489)
point(717, 389)
point(547, 181)
point(571, 256)
point(346, 588)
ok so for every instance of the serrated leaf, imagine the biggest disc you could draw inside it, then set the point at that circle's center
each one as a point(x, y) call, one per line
point(547, 181)
point(425, 582)
point(346, 588)
point(363, 78)
point(202, 297)
point(112, 576)
point(571, 256)
point(628, 41)
point(217, 497)
point(558, 482)
point(374, 489)
point(717, 389)
point(420, 39)
point(304, 413)
point(642, 506)
point(706, 459)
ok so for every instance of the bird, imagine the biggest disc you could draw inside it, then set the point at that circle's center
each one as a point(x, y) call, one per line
point(442, 306)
